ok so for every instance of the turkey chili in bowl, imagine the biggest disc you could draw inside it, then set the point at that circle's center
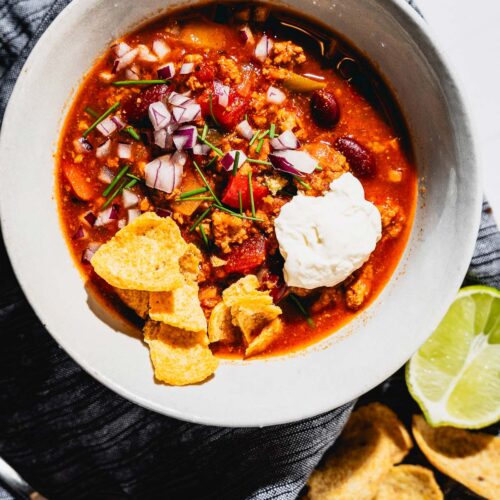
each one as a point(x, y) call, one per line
point(234, 185)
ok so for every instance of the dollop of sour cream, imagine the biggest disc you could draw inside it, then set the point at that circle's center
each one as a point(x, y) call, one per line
point(324, 239)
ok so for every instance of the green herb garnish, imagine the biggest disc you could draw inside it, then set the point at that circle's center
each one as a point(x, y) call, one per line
point(302, 309)
point(236, 162)
point(196, 198)
point(305, 185)
point(266, 132)
point(116, 192)
point(236, 214)
point(210, 104)
point(132, 176)
point(132, 132)
point(260, 162)
point(206, 182)
point(317, 167)
point(204, 132)
point(240, 201)
point(211, 146)
point(272, 131)
point(194, 192)
point(100, 119)
point(198, 221)
point(91, 112)
point(254, 137)
point(116, 180)
point(259, 146)
point(250, 189)
point(204, 236)
point(124, 83)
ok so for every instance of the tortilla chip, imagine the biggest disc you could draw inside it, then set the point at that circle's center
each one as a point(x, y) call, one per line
point(190, 262)
point(144, 255)
point(243, 286)
point(409, 482)
point(137, 301)
point(471, 458)
point(371, 443)
point(268, 334)
point(220, 326)
point(179, 357)
point(180, 308)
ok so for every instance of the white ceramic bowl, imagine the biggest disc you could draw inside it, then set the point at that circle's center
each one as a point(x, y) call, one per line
point(259, 392)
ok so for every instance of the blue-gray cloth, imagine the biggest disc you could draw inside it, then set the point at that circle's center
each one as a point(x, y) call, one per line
point(72, 438)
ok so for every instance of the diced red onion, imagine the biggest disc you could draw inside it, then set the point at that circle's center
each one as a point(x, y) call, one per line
point(185, 137)
point(245, 130)
point(163, 175)
point(263, 48)
point(121, 48)
point(179, 159)
point(188, 113)
point(90, 218)
point(125, 61)
point(163, 212)
point(80, 234)
point(163, 139)
point(286, 140)
point(106, 216)
point(82, 145)
point(104, 149)
point(227, 160)
point(222, 93)
point(201, 149)
point(132, 73)
point(120, 124)
point(246, 35)
point(160, 48)
point(132, 214)
point(124, 151)
point(159, 115)
point(275, 96)
point(90, 251)
point(293, 162)
point(186, 68)
point(145, 55)
point(176, 99)
point(107, 127)
point(105, 175)
point(167, 71)
point(129, 198)
point(122, 223)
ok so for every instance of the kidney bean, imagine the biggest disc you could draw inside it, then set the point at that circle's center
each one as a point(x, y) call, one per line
point(360, 159)
point(136, 108)
point(324, 109)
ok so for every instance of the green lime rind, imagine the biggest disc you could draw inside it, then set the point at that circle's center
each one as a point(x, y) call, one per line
point(455, 375)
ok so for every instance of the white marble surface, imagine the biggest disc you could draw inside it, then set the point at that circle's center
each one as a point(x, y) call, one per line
point(469, 33)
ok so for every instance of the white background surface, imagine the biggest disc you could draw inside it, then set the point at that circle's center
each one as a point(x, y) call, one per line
point(469, 33)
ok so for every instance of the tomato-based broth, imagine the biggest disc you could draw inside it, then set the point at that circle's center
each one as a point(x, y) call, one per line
point(243, 109)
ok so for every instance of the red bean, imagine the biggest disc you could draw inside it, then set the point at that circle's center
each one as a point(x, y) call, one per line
point(360, 159)
point(136, 108)
point(324, 109)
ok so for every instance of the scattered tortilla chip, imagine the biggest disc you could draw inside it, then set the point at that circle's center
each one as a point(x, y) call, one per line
point(371, 443)
point(243, 286)
point(471, 458)
point(144, 255)
point(180, 308)
point(409, 482)
point(179, 357)
point(220, 326)
point(190, 262)
point(268, 334)
point(137, 300)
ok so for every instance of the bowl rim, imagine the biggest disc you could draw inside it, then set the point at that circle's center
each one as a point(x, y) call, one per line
point(413, 21)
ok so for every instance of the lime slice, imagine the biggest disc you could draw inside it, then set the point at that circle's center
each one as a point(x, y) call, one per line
point(455, 375)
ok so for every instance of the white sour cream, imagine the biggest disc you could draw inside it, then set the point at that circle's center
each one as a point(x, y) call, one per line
point(324, 239)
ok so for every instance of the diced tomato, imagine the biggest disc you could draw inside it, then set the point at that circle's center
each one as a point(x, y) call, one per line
point(239, 183)
point(247, 256)
point(136, 107)
point(227, 117)
point(78, 180)
point(206, 73)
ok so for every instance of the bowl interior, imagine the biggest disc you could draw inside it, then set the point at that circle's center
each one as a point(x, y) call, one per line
point(260, 392)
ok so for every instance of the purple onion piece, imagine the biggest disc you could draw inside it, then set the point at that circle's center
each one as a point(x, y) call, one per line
point(90, 218)
point(283, 165)
point(120, 124)
point(286, 140)
point(176, 99)
point(160, 48)
point(163, 212)
point(163, 175)
point(227, 161)
point(159, 115)
point(102, 151)
point(107, 126)
point(245, 130)
point(125, 61)
point(263, 48)
point(82, 145)
point(124, 151)
point(222, 93)
point(166, 72)
point(185, 137)
point(293, 162)
point(90, 251)
point(132, 214)
point(129, 199)
point(80, 234)
point(275, 96)
point(201, 149)
point(186, 68)
point(246, 35)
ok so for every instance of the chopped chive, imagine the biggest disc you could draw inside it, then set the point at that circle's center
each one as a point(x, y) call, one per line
point(211, 162)
point(254, 137)
point(205, 132)
point(236, 162)
point(250, 189)
point(116, 180)
point(132, 176)
point(197, 222)
point(264, 134)
point(194, 192)
point(210, 98)
point(206, 182)
point(260, 162)
point(259, 146)
point(302, 309)
point(124, 83)
point(246, 117)
point(131, 184)
point(305, 185)
point(317, 167)
point(211, 146)
point(116, 192)
point(240, 201)
point(204, 236)
point(196, 198)
point(132, 132)
point(91, 112)
point(100, 119)
point(272, 131)
point(236, 214)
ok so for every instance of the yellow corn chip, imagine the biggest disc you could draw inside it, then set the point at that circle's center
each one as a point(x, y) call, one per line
point(220, 326)
point(180, 308)
point(243, 286)
point(137, 301)
point(190, 262)
point(268, 334)
point(409, 482)
point(179, 357)
point(471, 458)
point(371, 443)
point(144, 255)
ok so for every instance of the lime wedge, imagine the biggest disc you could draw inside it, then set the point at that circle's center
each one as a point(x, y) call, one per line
point(455, 375)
